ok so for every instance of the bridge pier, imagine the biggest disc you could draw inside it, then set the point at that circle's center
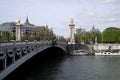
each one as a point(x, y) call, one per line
point(70, 48)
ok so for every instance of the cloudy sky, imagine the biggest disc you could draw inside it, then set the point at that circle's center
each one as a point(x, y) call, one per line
point(57, 13)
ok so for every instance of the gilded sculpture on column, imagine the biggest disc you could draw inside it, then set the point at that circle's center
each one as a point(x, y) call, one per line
point(18, 21)
point(71, 21)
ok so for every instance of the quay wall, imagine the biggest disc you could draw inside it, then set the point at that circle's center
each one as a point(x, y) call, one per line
point(106, 47)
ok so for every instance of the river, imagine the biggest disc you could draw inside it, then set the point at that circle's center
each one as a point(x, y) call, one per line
point(71, 68)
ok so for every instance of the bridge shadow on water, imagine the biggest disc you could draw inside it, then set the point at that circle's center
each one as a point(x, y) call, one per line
point(38, 65)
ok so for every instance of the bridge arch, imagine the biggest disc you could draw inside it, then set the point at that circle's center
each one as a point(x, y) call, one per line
point(54, 50)
point(39, 48)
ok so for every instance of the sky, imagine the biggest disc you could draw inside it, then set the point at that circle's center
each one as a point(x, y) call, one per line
point(57, 13)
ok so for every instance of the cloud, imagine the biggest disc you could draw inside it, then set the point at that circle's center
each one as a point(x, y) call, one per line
point(56, 13)
point(109, 1)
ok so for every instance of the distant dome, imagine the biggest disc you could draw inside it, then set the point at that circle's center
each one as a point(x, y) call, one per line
point(8, 26)
point(28, 26)
point(27, 23)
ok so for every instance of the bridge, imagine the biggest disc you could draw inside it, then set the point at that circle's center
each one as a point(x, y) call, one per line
point(14, 54)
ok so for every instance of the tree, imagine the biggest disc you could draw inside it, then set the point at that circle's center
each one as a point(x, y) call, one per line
point(95, 34)
point(77, 38)
point(5, 36)
point(87, 37)
point(111, 35)
point(61, 38)
point(78, 35)
point(44, 33)
point(82, 36)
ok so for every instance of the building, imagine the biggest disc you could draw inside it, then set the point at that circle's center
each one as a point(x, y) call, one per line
point(94, 29)
point(10, 27)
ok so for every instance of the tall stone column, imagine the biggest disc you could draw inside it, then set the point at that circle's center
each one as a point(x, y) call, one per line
point(72, 25)
point(18, 30)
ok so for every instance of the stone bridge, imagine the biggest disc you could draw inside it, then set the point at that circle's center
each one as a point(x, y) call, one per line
point(12, 55)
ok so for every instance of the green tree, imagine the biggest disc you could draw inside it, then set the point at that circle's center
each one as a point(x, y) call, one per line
point(77, 38)
point(111, 35)
point(44, 33)
point(87, 37)
point(5, 36)
point(78, 35)
point(82, 36)
point(95, 34)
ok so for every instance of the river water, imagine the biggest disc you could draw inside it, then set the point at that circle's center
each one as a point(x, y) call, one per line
point(72, 68)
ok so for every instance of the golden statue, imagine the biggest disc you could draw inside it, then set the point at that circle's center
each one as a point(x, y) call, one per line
point(71, 21)
point(18, 21)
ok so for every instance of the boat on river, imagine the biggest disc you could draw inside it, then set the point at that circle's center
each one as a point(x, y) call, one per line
point(107, 53)
point(80, 52)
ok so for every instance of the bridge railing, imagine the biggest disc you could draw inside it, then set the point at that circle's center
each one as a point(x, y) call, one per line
point(11, 52)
